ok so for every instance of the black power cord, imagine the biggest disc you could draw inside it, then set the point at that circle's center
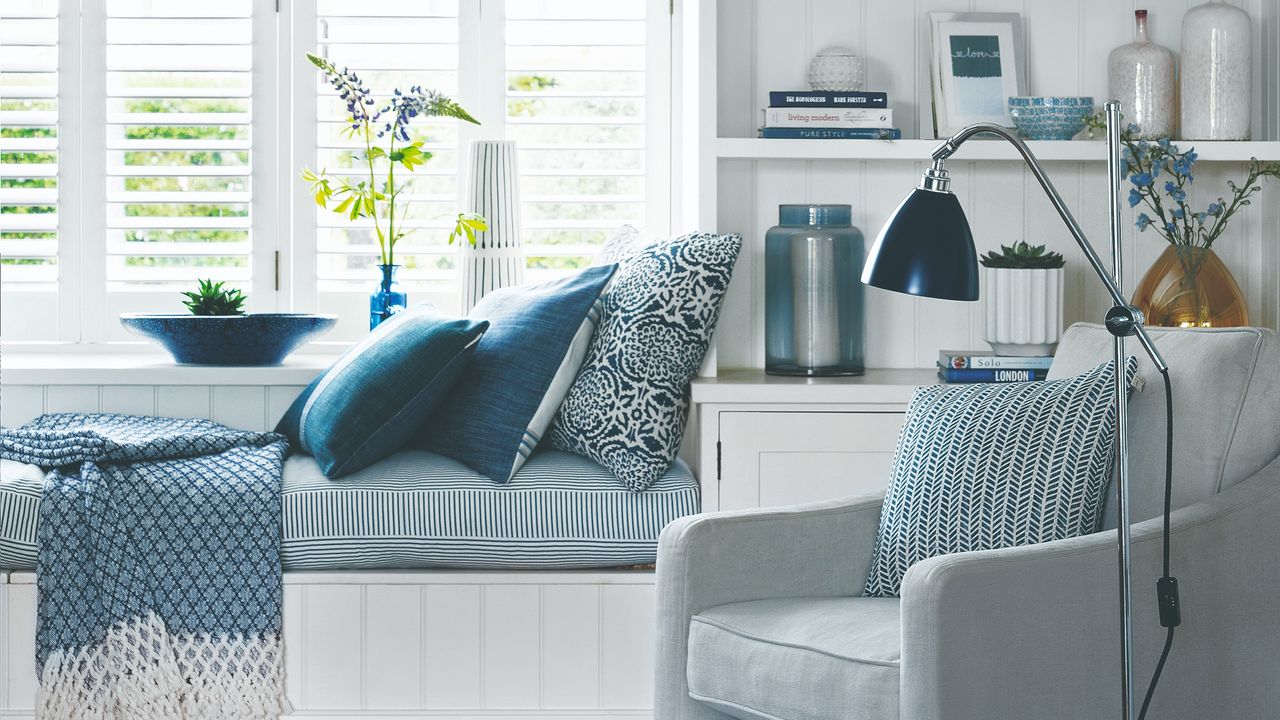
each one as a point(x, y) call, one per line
point(1167, 585)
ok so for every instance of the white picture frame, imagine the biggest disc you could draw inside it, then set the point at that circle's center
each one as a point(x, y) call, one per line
point(976, 65)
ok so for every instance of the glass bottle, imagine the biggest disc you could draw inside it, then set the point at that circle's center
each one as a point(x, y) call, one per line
point(388, 299)
point(813, 295)
point(1141, 77)
point(1217, 62)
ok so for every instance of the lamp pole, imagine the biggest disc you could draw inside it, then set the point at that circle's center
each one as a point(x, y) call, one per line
point(1122, 421)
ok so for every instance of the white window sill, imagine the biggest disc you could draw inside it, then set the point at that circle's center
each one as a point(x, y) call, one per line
point(148, 368)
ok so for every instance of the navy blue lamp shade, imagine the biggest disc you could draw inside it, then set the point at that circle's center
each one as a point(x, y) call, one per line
point(925, 248)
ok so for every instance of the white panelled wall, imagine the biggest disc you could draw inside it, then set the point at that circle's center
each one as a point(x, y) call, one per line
point(766, 45)
point(248, 407)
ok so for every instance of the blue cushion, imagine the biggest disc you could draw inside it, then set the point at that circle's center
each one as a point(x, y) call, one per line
point(504, 401)
point(988, 466)
point(372, 400)
point(628, 406)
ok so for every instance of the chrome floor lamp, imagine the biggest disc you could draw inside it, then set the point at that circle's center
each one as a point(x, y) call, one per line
point(926, 248)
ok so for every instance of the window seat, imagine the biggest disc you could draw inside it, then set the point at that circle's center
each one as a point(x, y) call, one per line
point(418, 510)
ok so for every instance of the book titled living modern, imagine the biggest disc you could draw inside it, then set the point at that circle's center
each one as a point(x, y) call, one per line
point(831, 133)
point(802, 117)
point(813, 98)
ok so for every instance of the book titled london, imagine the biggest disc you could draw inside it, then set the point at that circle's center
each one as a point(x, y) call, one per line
point(813, 98)
point(990, 376)
point(832, 133)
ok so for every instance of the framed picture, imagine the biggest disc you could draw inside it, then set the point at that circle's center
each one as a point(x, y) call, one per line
point(977, 64)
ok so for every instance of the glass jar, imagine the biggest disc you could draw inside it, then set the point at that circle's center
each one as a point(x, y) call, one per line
point(813, 295)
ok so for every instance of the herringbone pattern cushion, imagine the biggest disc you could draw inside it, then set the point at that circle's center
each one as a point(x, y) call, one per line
point(980, 467)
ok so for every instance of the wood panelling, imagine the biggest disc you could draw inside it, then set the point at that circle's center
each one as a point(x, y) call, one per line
point(491, 645)
point(248, 407)
point(766, 45)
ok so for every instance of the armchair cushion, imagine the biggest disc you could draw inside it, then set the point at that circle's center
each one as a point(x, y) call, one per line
point(798, 658)
point(1226, 398)
point(992, 466)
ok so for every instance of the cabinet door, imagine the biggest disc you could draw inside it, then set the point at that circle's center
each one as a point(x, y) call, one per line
point(781, 458)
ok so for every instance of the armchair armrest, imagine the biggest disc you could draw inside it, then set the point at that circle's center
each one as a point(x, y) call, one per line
point(1035, 631)
point(816, 549)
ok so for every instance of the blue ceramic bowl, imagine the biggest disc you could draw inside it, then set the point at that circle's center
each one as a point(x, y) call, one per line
point(256, 339)
point(1050, 117)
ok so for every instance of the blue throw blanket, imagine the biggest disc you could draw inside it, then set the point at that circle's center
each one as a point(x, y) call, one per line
point(158, 567)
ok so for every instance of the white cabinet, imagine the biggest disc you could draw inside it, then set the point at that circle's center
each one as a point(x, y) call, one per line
point(768, 441)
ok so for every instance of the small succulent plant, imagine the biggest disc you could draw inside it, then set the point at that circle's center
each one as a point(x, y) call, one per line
point(211, 298)
point(1022, 256)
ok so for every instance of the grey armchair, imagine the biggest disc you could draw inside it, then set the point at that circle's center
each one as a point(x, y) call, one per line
point(760, 614)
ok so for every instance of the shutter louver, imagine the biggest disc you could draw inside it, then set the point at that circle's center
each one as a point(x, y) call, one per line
point(29, 144)
point(575, 103)
point(179, 146)
point(389, 43)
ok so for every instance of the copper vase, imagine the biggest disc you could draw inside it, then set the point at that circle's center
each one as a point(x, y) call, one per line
point(1190, 287)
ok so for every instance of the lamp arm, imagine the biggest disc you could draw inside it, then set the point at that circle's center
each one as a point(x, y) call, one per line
point(1124, 318)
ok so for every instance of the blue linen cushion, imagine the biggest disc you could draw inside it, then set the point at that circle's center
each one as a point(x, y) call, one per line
point(501, 406)
point(628, 406)
point(988, 466)
point(372, 400)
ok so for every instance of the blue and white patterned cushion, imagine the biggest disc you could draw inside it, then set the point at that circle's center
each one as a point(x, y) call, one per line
point(988, 466)
point(370, 402)
point(417, 509)
point(502, 404)
point(627, 408)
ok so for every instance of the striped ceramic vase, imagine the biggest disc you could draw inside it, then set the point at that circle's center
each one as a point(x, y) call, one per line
point(497, 259)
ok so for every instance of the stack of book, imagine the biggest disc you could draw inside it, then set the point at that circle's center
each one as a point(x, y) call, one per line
point(958, 366)
point(813, 115)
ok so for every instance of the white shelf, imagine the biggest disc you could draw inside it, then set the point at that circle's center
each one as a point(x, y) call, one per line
point(877, 386)
point(978, 149)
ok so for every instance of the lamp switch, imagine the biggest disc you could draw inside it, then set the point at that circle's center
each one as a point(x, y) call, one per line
point(1170, 608)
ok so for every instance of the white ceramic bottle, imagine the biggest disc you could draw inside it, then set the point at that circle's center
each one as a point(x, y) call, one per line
point(1141, 77)
point(1217, 61)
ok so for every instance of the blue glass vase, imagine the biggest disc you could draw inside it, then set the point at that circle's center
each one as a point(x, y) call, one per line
point(813, 295)
point(388, 299)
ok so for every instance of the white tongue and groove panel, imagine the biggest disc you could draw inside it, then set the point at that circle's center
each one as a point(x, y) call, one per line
point(488, 645)
point(431, 645)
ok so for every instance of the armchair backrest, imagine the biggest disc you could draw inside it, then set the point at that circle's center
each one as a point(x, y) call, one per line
point(1226, 404)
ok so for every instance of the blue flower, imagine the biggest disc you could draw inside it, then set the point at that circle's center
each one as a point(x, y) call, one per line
point(1142, 180)
point(1178, 213)
point(1201, 217)
point(1132, 128)
point(1215, 208)
point(1163, 143)
point(1170, 228)
point(1143, 221)
point(1135, 197)
point(1175, 192)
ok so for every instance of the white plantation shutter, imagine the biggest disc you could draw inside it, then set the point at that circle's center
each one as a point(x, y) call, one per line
point(179, 143)
point(29, 145)
point(389, 44)
point(580, 86)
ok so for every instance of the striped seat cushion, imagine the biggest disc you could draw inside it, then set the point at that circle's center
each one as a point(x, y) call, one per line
point(417, 509)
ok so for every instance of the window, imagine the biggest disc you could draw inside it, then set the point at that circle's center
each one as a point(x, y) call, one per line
point(179, 150)
point(390, 43)
point(29, 155)
point(581, 85)
point(575, 103)
point(154, 149)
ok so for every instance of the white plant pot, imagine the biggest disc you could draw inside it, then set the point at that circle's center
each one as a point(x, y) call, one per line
point(1023, 310)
